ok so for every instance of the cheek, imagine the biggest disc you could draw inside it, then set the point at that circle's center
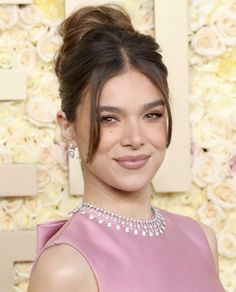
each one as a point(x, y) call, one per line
point(157, 136)
point(108, 138)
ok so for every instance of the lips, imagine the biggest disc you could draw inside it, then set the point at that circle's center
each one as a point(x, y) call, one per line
point(132, 162)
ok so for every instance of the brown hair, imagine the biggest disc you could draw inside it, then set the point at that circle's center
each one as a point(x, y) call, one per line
point(99, 42)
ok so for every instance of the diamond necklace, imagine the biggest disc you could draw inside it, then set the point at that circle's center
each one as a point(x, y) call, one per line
point(144, 227)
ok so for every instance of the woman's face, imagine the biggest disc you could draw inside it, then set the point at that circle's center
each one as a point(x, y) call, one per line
point(133, 133)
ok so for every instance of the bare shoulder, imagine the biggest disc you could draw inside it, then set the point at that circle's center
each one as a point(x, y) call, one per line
point(211, 237)
point(62, 268)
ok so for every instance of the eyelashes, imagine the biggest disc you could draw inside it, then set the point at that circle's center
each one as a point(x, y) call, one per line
point(110, 119)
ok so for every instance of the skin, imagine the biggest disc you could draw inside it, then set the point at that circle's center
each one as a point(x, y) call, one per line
point(131, 130)
point(134, 129)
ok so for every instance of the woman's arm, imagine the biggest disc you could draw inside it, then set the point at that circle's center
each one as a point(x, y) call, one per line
point(210, 235)
point(62, 269)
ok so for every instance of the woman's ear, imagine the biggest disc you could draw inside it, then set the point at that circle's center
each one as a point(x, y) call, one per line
point(67, 129)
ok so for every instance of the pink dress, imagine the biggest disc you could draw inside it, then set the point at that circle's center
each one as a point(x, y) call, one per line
point(179, 260)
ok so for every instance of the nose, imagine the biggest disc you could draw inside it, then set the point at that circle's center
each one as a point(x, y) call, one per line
point(132, 135)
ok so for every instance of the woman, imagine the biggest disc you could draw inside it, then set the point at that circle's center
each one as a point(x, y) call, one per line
point(115, 110)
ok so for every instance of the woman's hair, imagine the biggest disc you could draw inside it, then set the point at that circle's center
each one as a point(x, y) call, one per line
point(99, 42)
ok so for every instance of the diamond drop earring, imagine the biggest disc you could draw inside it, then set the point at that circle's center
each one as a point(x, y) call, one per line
point(71, 151)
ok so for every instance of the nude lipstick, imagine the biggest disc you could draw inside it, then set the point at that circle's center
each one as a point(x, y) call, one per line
point(132, 162)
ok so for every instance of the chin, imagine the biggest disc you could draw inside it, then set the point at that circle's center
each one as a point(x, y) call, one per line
point(130, 185)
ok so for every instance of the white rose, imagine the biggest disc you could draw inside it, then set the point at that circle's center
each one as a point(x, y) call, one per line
point(49, 87)
point(6, 222)
point(59, 175)
point(45, 135)
point(48, 46)
point(197, 110)
point(5, 156)
point(202, 135)
point(21, 271)
point(44, 177)
point(13, 37)
point(67, 205)
point(217, 124)
point(11, 206)
point(8, 16)
point(230, 222)
point(23, 154)
point(205, 170)
point(6, 57)
point(47, 214)
point(37, 31)
point(46, 153)
point(207, 43)
point(30, 15)
point(4, 135)
point(224, 23)
point(24, 219)
point(222, 193)
point(41, 112)
point(221, 149)
point(210, 213)
point(227, 243)
point(25, 58)
point(33, 81)
point(199, 13)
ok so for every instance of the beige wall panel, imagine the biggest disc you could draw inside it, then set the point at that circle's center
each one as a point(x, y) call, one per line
point(12, 84)
point(15, 246)
point(18, 180)
point(15, 1)
point(171, 32)
point(171, 29)
point(76, 182)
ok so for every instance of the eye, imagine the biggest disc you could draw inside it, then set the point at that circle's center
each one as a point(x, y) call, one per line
point(153, 116)
point(108, 119)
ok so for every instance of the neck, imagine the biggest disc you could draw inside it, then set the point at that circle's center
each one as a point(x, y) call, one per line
point(128, 204)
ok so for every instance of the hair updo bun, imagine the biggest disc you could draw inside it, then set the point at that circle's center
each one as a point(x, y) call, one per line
point(99, 42)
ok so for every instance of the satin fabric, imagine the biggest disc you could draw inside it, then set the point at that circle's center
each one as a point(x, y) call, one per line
point(180, 260)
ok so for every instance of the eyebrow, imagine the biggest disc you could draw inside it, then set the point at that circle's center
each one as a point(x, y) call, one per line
point(146, 106)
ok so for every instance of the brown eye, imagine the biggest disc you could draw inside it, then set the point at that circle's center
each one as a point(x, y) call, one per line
point(153, 116)
point(108, 119)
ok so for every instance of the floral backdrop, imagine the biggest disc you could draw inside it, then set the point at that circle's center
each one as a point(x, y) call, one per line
point(28, 130)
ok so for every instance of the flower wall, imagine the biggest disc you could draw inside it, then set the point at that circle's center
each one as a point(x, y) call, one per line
point(28, 130)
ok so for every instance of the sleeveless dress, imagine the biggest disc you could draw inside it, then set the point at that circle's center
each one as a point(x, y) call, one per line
point(179, 260)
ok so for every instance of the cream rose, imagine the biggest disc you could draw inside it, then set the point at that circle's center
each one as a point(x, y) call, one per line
point(5, 156)
point(25, 58)
point(24, 219)
point(11, 206)
point(37, 31)
point(222, 193)
point(41, 112)
point(205, 170)
point(211, 214)
point(44, 176)
point(217, 124)
point(6, 222)
point(227, 243)
point(30, 15)
point(207, 43)
point(8, 16)
point(6, 57)
point(49, 87)
point(21, 272)
point(224, 23)
point(48, 46)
